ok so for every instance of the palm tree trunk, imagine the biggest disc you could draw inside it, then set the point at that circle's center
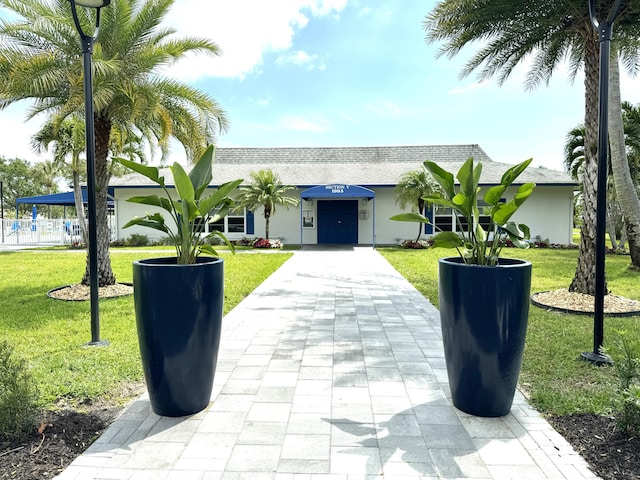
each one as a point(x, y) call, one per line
point(626, 193)
point(584, 280)
point(623, 236)
point(267, 216)
point(105, 273)
point(77, 196)
point(420, 211)
point(614, 217)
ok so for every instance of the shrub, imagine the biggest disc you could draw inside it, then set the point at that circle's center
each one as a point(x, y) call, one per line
point(416, 244)
point(539, 242)
point(18, 395)
point(137, 240)
point(627, 398)
point(215, 241)
point(267, 243)
point(243, 242)
point(164, 241)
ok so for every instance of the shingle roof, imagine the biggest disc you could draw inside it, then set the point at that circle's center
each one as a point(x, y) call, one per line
point(366, 166)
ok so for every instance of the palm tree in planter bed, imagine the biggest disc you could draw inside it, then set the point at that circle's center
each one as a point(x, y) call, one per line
point(266, 191)
point(410, 191)
point(484, 299)
point(179, 300)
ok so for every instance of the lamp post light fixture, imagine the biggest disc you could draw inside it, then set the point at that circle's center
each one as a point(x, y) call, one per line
point(604, 29)
point(87, 50)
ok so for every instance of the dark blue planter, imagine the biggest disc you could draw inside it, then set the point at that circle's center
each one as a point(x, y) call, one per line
point(484, 313)
point(179, 320)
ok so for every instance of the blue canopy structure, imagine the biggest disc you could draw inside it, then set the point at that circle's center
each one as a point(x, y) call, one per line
point(337, 191)
point(64, 199)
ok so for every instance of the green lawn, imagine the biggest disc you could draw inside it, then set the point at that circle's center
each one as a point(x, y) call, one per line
point(557, 381)
point(51, 334)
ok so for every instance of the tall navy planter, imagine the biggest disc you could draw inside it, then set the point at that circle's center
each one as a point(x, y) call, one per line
point(484, 313)
point(179, 320)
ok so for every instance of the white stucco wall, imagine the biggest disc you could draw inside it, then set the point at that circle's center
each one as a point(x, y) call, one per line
point(284, 224)
point(548, 212)
point(125, 211)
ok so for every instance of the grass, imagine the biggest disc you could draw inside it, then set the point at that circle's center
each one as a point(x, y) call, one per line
point(557, 381)
point(51, 334)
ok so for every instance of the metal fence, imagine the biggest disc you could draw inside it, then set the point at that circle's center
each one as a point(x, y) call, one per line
point(44, 232)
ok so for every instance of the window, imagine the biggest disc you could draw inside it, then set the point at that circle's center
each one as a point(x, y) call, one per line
point(229, 224)
point(217, 225)
point(235, 224)
point(198, 225)
point(445, 220)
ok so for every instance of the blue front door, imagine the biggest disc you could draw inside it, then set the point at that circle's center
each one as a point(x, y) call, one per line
point(338, 221)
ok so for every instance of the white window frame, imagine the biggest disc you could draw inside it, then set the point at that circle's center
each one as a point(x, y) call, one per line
point(225, 222)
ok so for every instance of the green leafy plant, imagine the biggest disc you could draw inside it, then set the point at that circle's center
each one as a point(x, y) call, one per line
point(137, 240)
point(18, 395)
point(626, 402)
point(474, 244)
point(191, 210)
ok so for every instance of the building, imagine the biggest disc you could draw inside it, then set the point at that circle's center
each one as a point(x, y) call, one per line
point(347, 193)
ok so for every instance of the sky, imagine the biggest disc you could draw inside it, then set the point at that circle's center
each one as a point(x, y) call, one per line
point(333, 73)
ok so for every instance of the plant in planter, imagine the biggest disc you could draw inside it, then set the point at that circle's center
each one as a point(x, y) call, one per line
point(179, 300)
point(484, 299)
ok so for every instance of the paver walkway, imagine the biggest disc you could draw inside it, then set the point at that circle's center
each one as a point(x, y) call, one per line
point(332, 369)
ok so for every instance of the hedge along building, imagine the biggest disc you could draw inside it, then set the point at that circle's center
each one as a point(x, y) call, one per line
point(348, 194)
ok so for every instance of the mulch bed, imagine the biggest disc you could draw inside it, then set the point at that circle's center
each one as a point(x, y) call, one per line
point(63, 436)
point(580, 303)
point(611, 455)
point(68, 433)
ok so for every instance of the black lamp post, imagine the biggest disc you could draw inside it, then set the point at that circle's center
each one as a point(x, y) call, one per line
point(87, 50)
point(604, 29)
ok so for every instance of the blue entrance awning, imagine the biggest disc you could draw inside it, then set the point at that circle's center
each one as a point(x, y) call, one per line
point(64, 199)
point(337, 191)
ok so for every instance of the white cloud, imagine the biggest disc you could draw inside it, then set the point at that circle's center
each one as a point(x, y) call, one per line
point(325, 7)
point(243, 29)
point(17, 141)
point(304, 125)
point(349, 118)
point(630, 87)
point(469, 88)
point(384, 109)
point(301, 58)
point(263, 102)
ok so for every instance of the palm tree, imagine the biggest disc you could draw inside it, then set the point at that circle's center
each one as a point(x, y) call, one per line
point(574, 152)
point(40, 61)
point(266, 191)
point(574, 164)
point(631, 121)
point(412, 186)
point(622, 209)
point(68, 139)
point(549, 33)
point(50, 173)
point(627, 193)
